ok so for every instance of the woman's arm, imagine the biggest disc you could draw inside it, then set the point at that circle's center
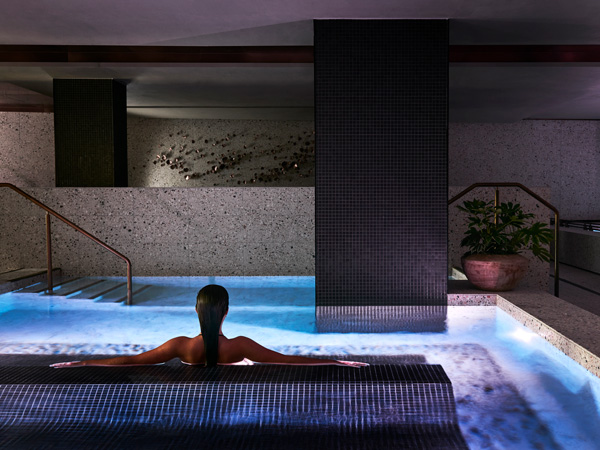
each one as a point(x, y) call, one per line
point(256, 352)
point(167, 351)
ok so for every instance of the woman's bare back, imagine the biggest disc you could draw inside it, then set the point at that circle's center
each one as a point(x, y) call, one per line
point(191, 351)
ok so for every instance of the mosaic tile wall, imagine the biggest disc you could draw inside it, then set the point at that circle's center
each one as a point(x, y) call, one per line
point(381, 93)
point(90, 133)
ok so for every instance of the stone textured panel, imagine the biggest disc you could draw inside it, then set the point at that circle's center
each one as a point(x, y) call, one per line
point(561, 154)
point(27, 149)
point(165, 232)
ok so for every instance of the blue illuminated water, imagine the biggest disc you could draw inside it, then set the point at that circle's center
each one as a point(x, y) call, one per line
point(513, 389)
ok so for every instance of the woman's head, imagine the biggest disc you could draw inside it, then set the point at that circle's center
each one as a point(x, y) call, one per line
point(212, 304)
point(212, 298)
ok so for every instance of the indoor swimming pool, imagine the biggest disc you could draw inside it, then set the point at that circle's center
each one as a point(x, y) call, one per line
point(512, 388)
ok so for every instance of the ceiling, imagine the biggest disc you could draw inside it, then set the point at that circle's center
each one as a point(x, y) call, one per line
point(479, 91)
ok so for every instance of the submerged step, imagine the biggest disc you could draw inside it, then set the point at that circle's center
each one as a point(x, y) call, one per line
point(17, 279)
point(19, 274)
point(98, 289)
point(43, 285)
point(119, 294)
point(77, 284)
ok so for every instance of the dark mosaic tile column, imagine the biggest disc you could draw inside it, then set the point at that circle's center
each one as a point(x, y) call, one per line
point(381, 96)
point(90, 133)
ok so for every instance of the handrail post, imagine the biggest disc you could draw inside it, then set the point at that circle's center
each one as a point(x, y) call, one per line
point(556, 262)
point(496, 204)
point(129, 285)
point(49, 254)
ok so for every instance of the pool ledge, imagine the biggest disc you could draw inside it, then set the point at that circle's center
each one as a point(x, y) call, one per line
point(572, 330)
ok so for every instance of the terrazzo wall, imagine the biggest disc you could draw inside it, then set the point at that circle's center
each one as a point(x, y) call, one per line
point(537, 275)
point(561, 154)
point(204, 231)
point(27, 149)
point(164, 232)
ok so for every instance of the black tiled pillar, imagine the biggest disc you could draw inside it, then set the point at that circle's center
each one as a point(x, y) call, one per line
point(90, 133)
point(381, 101)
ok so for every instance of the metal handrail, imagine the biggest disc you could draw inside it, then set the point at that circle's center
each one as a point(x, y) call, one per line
point(49, 212)
point(534, 195)
point(586, 225)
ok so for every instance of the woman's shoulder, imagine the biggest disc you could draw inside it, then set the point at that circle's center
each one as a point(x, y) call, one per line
point(183, 339)
point(183, 343)
point(241, 340)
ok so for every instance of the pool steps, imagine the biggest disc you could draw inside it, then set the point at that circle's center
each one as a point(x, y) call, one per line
point(33, 281)
point(19, 278)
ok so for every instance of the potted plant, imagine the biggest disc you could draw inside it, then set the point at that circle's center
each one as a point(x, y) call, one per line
point(495, 236)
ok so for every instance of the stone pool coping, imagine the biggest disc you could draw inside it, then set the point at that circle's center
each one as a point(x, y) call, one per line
point(572, 330)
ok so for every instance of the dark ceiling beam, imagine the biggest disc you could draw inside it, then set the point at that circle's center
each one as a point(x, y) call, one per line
point(524, 53)
point(154, 54)
point(277, 54)
point(5, 107)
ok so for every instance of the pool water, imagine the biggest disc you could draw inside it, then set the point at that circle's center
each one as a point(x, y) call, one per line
point(512, 389)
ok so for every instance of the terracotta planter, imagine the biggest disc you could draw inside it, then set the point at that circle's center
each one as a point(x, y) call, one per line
point(495, 272)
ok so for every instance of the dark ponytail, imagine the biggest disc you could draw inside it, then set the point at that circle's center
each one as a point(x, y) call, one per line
point(212, 304)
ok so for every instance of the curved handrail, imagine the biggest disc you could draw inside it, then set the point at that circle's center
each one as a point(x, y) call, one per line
point(82, 231)
point(539, 199)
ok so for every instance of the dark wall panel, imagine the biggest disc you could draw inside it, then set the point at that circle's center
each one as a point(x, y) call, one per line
point(381, 96)
point(90, 130)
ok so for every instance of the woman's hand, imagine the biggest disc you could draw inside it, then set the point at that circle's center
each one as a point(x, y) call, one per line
point(355, 364)
point(243, 362)
point(66, 365)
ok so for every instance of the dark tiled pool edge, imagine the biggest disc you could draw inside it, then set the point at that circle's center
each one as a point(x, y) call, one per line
point(572, 330)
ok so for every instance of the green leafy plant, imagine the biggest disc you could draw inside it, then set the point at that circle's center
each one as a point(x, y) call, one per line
point(511, 232)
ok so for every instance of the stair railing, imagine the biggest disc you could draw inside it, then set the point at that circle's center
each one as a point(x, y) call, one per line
point(51, 212)
point(532, 194)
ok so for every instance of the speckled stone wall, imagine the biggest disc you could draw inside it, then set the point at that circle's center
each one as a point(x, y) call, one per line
point(27, 149)
point(164, 232)
point(561, 154)
point(537, 275)
point(195, 153)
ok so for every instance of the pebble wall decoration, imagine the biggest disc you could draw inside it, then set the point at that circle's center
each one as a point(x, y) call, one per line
point(195, 153)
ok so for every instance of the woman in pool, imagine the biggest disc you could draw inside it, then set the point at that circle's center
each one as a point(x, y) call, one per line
point(210, 347)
